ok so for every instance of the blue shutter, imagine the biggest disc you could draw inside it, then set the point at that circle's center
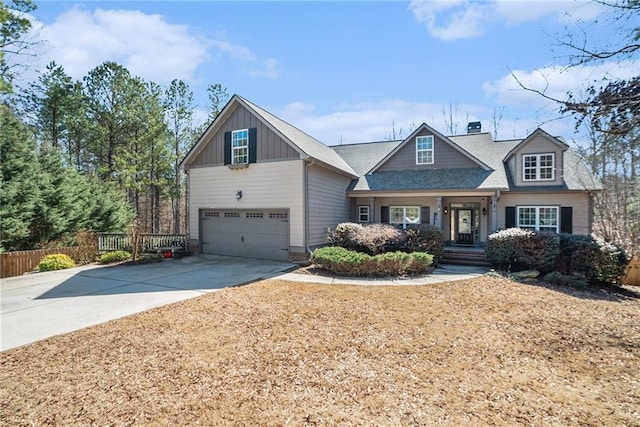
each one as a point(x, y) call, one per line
point(253, 143)
point(227, 148)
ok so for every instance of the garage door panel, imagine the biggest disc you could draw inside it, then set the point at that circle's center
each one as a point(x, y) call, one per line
point(252, 234)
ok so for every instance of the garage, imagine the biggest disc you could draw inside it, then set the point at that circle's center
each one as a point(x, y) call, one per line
point(245, 233)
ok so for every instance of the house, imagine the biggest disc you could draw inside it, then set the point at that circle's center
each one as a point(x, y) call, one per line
point(258, 187)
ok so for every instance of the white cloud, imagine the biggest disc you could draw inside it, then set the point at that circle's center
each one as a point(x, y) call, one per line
point(555, 81)
point(270, 69)
point(234, 51)
point(463, 19)
point(146, 44)
point(373, 121)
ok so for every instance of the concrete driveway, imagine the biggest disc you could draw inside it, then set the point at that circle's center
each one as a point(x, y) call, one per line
point(40, 305)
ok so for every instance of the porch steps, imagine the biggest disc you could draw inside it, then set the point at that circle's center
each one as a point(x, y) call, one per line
point(459, 255)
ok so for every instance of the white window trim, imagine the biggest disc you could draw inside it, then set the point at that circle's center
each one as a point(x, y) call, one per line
point(361, 213)
point(538, 167)
point(234, 149)
point(426, 150)
point(404, 215)
point(537, 208)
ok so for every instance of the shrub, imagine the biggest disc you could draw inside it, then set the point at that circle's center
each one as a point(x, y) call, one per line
point(369, 238)
point(379, 238)
point(344, 262)
point(541, 250)
point(341, 261)
point(505, 250)
point(426, 238)
point(592, 258)
point(115, 256)
point(558, 278)
point(516, 249)
point(612, 263)
point(55, 262)
point(344, 235)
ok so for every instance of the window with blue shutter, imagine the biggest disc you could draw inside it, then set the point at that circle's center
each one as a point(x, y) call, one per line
point(240, 146)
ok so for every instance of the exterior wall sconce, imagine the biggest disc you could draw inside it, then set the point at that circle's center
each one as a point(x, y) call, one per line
point(484, 211)
point(238, 195)
point(446, 210)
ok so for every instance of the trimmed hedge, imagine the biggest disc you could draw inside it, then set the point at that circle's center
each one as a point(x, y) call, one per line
point(345, 262)
point(426, 238)
point(370, 238)
point(115, 256)
point(55, 262)
point(516, 249)
point(574, 255)
point(376, 239)
point(593, 258)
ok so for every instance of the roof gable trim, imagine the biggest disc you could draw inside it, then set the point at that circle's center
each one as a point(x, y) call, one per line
point(538, 132)
point(413, 135)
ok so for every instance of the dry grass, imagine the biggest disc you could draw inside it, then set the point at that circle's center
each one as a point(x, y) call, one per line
point(482, 352)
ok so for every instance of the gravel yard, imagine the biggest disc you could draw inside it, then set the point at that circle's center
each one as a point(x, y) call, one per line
point(487, 351)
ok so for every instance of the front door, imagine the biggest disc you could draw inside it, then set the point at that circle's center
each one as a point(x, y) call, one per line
point(464, 222)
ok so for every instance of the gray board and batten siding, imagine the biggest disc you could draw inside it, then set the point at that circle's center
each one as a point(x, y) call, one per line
point(270, 145)
point(444, 155)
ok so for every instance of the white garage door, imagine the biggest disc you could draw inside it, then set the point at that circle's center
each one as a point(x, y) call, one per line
point(246, 233)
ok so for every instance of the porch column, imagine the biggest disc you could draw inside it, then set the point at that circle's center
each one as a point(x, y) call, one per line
point(438, 219)
point(494, 214)
point(372, 210)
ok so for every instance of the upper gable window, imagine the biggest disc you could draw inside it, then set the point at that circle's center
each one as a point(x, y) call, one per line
point(240, 147)
point(538, 167)
point(424, 150)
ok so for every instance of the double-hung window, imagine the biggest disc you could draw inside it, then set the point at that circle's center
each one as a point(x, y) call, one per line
point(240, 146)
point(544, 218)
point(363, 213)
point(424, 150)
point(538, 167)
point(404, 215)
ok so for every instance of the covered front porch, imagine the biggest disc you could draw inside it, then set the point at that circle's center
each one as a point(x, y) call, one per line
point(466, 219)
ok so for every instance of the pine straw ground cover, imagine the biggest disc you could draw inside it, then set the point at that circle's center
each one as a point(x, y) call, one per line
point(487, 351)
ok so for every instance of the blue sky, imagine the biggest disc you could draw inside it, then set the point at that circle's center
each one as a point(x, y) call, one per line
point(345, 71)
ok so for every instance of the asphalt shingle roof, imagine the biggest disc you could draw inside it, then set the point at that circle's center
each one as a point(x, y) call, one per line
point(306, 143)
point(362, 157)
point(425, 179)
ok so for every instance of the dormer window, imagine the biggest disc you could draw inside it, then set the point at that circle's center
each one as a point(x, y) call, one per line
point(424, 150)
point(240, 147)
point(538, 167)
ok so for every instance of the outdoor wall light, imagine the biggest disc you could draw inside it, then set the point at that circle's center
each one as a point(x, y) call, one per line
point(484, 211)
point(238, 195)
point(446, 210)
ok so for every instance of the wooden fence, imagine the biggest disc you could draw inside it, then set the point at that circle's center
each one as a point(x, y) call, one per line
point(633, 272)
point(20, 262)
point(108, 242)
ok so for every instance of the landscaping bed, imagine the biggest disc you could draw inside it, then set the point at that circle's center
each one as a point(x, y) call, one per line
point(487, 351)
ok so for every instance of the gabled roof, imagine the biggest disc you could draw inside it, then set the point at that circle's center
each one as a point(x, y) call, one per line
point(411, 137)
point(535, 133)
point(362, 157)
point(306, 145)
